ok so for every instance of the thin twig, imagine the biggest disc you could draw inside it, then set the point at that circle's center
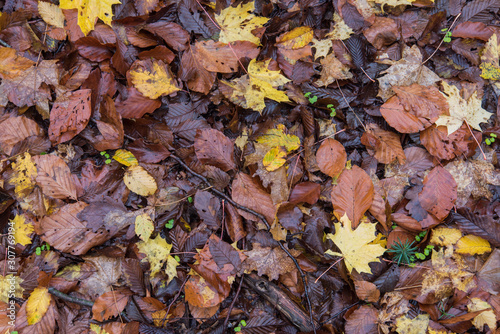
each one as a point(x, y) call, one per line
point(330, 267)
point(478, 143)
point(442, 40)
point(173, 301)
point(5, 44)
point(339, 313)
point(232, 305)
point(266, 223)
point(68, 298)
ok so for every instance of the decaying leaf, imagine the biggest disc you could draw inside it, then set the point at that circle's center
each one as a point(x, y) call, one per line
point(138, 180)
point(144, 226)
point(332, 70)
point(24, 176)
point(269, 261)
point(89, 11)
point(490, 60)
point(487, 317)
point(157, 252)
point(355, 245)
point(153, 78)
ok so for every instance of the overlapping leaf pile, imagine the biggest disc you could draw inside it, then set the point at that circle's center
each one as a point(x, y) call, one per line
point(154, 154)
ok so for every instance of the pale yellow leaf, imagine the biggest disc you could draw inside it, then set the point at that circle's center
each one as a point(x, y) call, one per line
point(157, 250)
point(322, 47)
point(37, 304)
point(485, 318)
point(355, 245)
point(24, 175)
point(274, 158)
point(125, 158)
point(171, 268)
point(144, 226)
point(237, 23)
point(416, 325)
point(152, 78)
point(10, 284)
point(51, 14)
point(489, 59)
point(89, 11)
point(22, 230)
point(341, 30)
point(138, 180)
point(443, 236)
point(462, 110)
point(472, 244)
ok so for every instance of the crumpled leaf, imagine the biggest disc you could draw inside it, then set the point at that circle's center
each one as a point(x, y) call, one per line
point(462, 110)
point(152, 78)
point(237, 24)
point(250, 90)
point(472, 244)
point(89, 11)
point(138, 180)
point(489, 60)
point(332, 69)
point(355, 245)
point(37, 304)
point(269, 261)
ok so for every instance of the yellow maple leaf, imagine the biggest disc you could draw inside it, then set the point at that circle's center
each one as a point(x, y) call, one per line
point(462, 110)
point(125, 158)
point(489, 59)
point(237, 23)
point(144, 226)
point(24, 175)
point(22, 230)
point(37, 304)
point(10, 284)
point(277, 137)
point(152, 78)
point(157, 251)
point(355, 245)
point(89, 11)
point(322, 47)
point(472, 244)
point(250, 90)
point(485, 318)
point(138, 180)
point(274, 158)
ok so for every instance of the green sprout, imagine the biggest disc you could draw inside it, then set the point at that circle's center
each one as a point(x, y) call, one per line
point(38, 251)
point(447, 36)
point(242, 323)
point(333, 111)
point(169, 224)
point(190, 199)
point(178, 259)
point(313, 99)
point(403, 252)
point(491, 139)
point(420, 236)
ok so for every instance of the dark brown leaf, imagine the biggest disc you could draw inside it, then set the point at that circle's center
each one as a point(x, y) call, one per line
point(213, 148)
point(439, 193)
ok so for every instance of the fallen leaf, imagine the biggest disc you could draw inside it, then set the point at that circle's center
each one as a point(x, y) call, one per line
point(489, 60)
point(152, 78)
point(417, 325)
point(223, 58)
point(157, 251)
point(37, 305)
point(89, 11)
point(54, 177)
point(138, 180)
point(272, 262)
point(355, 245)
point(277, 137)
point(125, 158)
point(236, 23)
point(332, 70)
point(444, 236)
point(24, 175)
point(274, 158)
point(22, 230)
point(439, 193)
point(110, 304)
point(331, 157)
point(322, 47)
point(386, 144)
point(10, 284)
point(461, 110)
point(144, 226)
point(12, 64)
point(212, 147)
point(472, 245)
point(362, 320)
point(487, 317)
point(51, 14)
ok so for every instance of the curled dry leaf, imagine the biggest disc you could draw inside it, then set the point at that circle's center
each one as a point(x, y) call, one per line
point(353, 194)
point(331, 157)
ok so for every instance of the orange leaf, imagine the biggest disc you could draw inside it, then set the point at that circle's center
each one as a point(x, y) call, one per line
point(331, 157)
point(439, 193)
point(386, 144)
point(110, 304)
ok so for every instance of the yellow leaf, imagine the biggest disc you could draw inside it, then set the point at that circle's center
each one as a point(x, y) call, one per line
point(341, 30)
point(10, 284)
point(277, 137)
point(125, 158)
point(485, 318)
point(22, 230)
point(274, 158)
point(37, 304)
point(24, 175)
point(250, 90)
point(152, 78)
point(157, 250)
point(97, 329)
point(472, 244)
point(51, 14)
point(171, 268)
point(138, 180)
point(416, 325)
point(89, 11)
point(322, 47)
point(443, 236)
point(296, 38)
point(144, 226)
point(462, 110)
point(489, 60)
point(354, 245)
point(237, 23)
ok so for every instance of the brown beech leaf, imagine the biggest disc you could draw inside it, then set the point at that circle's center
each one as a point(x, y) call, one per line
point(172, 33)
point(65, 232)
point(194, 74)
point(15, 129)
point(305, 192)
point(247, 192)
point(363, 320)
point(135, 105)
point(443, 146)
point(353, 195)
point(70, 114)
point(110, 304)
point(331, 157)
point(367, 291)
point(213, 148)
point(269, 261)
point(386, 144)
point(200, 293)
point(54, 177)
point(439, 193)
point(222, 58)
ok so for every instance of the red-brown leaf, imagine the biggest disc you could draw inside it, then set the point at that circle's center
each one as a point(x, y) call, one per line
point(54, 177)
point(386, 144)
point(305, 192)
point(15, 129)
point(110, 304)
point(363, 320)
point(213, 148)
point(247, 192)
point(439, 193)
point(331, 157)
point(353, 195)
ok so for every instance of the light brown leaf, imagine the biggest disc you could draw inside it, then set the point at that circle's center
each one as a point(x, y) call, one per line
point(54, 177)
point(222, 58)
point(269, 261)
point(12, 64)
point(353, 194)
point(110, 304)
point(386, 144)
point(15, 129)
point(367, 291)
point(331, 157)
point(213, 148)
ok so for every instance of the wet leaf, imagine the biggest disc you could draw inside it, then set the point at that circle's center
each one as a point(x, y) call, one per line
point(89, 11)
point(472, 244)
point(152, 78)
point(138, 180)
point(37, 305)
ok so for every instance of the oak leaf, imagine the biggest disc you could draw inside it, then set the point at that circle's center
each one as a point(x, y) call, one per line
point(236, 24)
point(37, 304)
point(355, 245)
point(89, 11)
